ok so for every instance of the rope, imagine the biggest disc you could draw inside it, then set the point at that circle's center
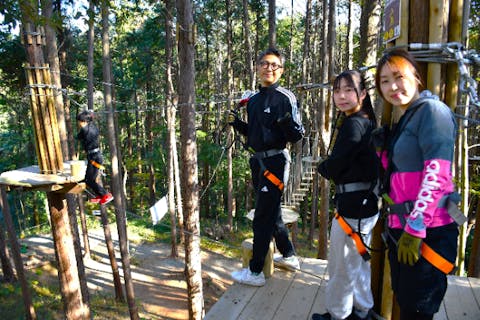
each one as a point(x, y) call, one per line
point(214, 173)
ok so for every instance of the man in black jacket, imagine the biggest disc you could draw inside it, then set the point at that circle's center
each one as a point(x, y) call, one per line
point(273, 121)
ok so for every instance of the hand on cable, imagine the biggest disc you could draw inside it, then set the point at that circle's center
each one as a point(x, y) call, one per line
point(232, 117)
point(409, 248)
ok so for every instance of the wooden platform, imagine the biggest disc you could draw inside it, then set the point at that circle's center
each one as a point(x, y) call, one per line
point(31, 178)
point(288, 296)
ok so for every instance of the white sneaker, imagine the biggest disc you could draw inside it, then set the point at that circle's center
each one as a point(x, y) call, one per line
point(245, 276)
point(290, 263)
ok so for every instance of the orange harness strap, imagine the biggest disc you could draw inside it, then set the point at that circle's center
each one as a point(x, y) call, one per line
point(273, 179)
point(436, 260)
point(97, 165)
point(362, 250)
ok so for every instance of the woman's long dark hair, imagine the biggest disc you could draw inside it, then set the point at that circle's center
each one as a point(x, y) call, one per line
point(355, 80)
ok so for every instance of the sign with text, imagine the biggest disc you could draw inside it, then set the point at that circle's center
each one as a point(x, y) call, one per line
point(391, 20)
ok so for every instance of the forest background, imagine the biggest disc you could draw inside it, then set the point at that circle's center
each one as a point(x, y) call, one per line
point(320, 39)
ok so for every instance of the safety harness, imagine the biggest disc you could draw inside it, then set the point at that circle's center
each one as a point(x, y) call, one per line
point(266, 173)
point(356, 237)
point(95, 163)
point(435, 259)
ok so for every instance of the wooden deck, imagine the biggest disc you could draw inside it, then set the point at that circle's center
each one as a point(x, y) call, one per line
point(288, 296)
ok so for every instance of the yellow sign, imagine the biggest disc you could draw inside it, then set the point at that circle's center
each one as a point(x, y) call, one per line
point(391, 20)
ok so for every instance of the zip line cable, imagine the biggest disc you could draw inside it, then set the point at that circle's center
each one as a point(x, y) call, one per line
point(450, 52)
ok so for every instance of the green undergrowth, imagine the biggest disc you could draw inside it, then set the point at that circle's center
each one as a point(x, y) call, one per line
point(49, 306)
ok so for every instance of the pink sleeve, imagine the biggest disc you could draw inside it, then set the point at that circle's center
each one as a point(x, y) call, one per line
point(436, 182)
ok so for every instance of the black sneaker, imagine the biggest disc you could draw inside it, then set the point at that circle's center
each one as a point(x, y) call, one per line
point(318, 316)
point(354, 316)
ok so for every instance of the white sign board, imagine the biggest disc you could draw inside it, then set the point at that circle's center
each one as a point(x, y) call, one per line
point(159, 209)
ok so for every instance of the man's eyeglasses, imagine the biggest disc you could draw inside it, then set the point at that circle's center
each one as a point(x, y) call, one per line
point(274, 66)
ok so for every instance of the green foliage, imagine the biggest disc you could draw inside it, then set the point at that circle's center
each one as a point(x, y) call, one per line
point(474, 25)
point(9, 11)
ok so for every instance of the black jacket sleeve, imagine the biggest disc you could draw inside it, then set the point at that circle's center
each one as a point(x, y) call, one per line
point(343, 163)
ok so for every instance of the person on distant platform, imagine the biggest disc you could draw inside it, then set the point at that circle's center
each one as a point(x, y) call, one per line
point(88, 136)
point(353, 167)
point(273, 121)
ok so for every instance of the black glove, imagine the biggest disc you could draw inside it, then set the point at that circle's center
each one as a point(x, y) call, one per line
point(232, 117)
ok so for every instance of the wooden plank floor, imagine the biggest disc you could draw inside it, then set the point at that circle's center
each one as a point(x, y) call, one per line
point(296, 295)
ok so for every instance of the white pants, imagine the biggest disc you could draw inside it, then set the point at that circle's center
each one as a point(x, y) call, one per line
point(349, 284)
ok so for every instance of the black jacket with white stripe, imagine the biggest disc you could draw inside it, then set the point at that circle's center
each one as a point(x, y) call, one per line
point(273, 119)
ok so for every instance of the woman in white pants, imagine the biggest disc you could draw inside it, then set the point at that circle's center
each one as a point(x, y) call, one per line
point(353, 167)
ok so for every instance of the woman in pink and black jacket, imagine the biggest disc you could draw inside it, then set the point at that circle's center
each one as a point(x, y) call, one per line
point(417, 158)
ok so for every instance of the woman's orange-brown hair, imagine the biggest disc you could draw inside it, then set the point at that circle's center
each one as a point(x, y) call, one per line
point(402, 60)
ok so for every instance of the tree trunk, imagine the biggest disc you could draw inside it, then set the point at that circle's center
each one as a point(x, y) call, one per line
point(306, 42)
point(70, 284)
point(324, 127)
point(7, 268)
point(17, 258)
point(149, 123)
point(369, 43)
point(230, 199)
point(83, 221)
point(248, 47)
point(305, 79)
point(116, 182)
point(178, 193)
point(349, 42)
point(290, 43)
point(186, 91)
point(117, 282)
point(71, 210)
point(272, 24)
point(171, 112)
point(91, 48)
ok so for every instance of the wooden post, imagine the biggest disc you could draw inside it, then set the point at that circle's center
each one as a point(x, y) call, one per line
point(37, 123)
point(17, 258)
point(457, 34)
point(52, 112)
point(67, 272)
point(247, 252)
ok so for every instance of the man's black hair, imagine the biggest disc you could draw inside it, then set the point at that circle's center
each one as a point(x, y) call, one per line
point(271, 51)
